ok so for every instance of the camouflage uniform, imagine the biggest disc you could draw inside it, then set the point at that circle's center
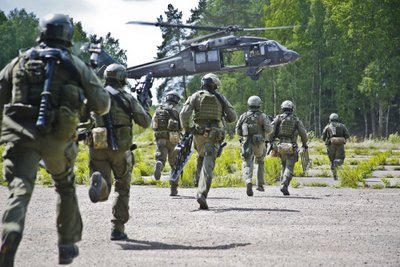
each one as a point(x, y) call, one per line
point(252, 127)
point(21, 85)
point(286, 129)
point(167, 128)
point(120, 161)
point(208, 129)
point(335, 151)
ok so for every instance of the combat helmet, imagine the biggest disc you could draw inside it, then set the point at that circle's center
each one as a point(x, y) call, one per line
point(56, 28)
point(287, 105)
point(116, 72)
point(334, 117)
point(254, 102)
point(210, 81)
point(173, 97)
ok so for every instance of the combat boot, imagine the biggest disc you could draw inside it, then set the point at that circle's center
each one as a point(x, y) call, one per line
point(249, 190)
point(260, 188)
point(67, 253)
point(285, 190)
point(174, 191)
point(201, 199)
point(97, 186)
point(118, 235)
point(157, 170)
point(9, 248)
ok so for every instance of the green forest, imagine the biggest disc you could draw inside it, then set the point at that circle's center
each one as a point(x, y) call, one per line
point(349, 56)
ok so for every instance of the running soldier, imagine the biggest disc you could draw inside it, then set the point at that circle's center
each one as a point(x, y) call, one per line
point(335, 135)
point(253, 127)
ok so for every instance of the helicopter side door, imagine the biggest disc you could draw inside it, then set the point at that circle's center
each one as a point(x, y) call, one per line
point(207, 61)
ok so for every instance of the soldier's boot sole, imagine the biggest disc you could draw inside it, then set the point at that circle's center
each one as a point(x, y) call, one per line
point(157, 170)
point(9, 248)
point(285, 190)
point(249, 189)
point(67, 253)
point(95, 188)
point(201, 199)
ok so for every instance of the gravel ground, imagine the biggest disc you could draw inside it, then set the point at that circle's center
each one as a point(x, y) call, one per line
point(313, 227)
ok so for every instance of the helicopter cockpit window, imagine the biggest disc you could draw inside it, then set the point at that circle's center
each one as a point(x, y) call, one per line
point(272, 47)
point(254, 51)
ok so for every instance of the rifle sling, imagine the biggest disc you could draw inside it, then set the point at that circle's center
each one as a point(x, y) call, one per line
point(115, 93)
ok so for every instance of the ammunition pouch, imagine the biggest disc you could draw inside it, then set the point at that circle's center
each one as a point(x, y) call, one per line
point(286, 149)
point(173, 125)
point(65, 124)
point(337, 140)
point(174, 138)
point(161, 134)
point(124, 137)
point(99, 137)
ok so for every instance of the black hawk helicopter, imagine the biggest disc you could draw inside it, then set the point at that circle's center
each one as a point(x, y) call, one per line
point(207, 53)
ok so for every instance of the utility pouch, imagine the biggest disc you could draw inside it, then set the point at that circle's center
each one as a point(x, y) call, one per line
point(174, 138)
point(124, 137)
point(172, 125)
point(338, 140)
point(285, 149)
point(65, 124)
point(99, 135)
point(258, 138)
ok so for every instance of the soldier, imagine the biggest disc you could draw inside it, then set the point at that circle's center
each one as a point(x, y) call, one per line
point(253, 127)
point(335, 135)
point(110, 148)
point(167, 128)
point(41, 95)
point(209, 109)
point(286, 128)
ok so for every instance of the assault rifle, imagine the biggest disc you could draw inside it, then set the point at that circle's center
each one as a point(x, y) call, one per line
point(183, 153)
point(143, 91)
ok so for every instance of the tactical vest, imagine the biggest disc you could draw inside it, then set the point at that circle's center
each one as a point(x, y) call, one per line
point(336, 129)
point(65, 97)
point(287, 126)
point(252, 121)
point(28, 83)
point(162, 118)
point(209, 108)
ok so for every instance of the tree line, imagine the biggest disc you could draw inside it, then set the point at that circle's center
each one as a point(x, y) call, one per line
point(349, 57)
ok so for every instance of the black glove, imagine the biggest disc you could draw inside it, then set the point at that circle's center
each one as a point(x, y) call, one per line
point(305, 146)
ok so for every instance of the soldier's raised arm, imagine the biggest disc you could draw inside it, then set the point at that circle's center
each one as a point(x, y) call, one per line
point(140, 115)
point(229, 112)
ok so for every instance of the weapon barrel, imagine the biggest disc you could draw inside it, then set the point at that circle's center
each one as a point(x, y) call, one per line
point(44, 108)
point(112, 140)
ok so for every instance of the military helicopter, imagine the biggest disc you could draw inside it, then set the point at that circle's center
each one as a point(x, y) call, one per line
point(208, 53)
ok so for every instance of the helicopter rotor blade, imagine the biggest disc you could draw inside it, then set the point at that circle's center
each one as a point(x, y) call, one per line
point(269, 28)
point(165, 24)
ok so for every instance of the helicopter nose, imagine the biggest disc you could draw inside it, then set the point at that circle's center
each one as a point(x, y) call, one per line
point(291, 55)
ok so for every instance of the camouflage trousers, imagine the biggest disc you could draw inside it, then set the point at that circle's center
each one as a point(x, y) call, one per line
point(287, 168)
point(120, 163)
point(165, 149)
point(207, 148)
point(20, 166)
point(336, 154)
point(249, 153)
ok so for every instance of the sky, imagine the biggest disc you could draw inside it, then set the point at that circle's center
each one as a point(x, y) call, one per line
point(103, 16)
